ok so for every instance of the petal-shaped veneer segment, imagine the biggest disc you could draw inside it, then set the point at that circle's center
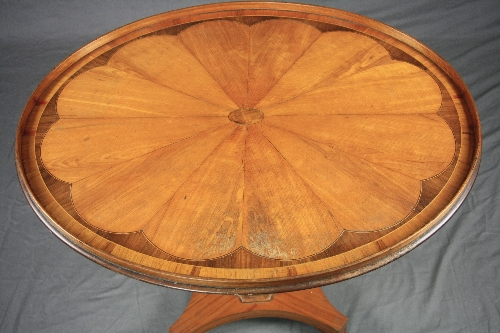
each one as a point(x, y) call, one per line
point(74, 149)
point(125, 198)
point(419, 146)
point(378, 197)
point(393, 88)
point(274, 46)
point(106, 92)
point(284, 219)
point(332, 56)
point(166, 61)
point(222, 48)
point(203, 219)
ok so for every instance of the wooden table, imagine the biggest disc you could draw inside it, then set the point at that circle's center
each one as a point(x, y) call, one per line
point(249, 149)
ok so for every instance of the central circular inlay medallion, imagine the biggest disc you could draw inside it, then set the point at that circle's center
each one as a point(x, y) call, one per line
point(246, 116)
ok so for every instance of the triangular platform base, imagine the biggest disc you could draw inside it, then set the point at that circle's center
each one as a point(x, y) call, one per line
point(207, 311)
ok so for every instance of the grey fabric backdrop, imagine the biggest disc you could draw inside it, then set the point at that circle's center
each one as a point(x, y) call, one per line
point(451, 283)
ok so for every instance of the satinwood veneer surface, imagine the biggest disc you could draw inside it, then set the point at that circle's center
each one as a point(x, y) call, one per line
point(248, 147)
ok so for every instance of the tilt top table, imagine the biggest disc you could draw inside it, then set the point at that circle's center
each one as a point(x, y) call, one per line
point(249, 149)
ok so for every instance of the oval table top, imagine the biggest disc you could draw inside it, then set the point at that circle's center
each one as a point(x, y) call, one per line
point(248, 147)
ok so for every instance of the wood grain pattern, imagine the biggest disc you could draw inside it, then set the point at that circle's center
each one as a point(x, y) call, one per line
point(141, 59)
point(77, 148)
point(124, 198)
point(278, 203)
point(406, 144)
point(105, 92)
point(249, 146)
point(185, 217)
point(391, 88)
point(341, 54)
point(275, 46)
point(222, 48)
point(378, 197)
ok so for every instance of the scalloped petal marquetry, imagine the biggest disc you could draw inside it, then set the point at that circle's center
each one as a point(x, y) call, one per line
point(264, 147)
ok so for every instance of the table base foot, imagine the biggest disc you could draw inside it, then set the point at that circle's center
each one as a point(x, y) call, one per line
point(206, 311)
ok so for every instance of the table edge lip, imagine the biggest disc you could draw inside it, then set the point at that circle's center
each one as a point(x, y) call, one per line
point(286, 284)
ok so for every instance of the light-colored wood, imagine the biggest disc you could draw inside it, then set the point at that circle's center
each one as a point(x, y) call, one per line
point(103, 143)
point(327, 171)
point(132, 59)
point(222, 48)
point(277, 47)
point(279, 203)
point(125, 198)
point(206, 311)
point(390, 88)
point(340, 53)
point(105, 92)
point(184, 218)
point(249, 147)
point(399, 143)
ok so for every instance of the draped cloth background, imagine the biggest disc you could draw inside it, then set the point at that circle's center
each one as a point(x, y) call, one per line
point(450, 283)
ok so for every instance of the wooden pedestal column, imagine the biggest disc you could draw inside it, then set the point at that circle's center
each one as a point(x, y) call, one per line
point(207, 311)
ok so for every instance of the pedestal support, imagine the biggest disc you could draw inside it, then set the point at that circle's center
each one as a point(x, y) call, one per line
point(206, 311)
